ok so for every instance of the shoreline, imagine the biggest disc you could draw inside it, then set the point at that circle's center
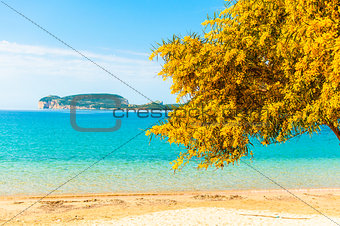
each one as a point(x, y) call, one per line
point(79, 209)
point(172, 193)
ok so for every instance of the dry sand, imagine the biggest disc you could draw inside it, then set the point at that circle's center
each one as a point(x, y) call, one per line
point(258, 207)
point(217, 216)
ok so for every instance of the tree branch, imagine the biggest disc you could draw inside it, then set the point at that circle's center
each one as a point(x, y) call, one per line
point(335, 130)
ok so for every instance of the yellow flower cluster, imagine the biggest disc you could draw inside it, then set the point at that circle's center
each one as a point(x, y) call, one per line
point(266, 70)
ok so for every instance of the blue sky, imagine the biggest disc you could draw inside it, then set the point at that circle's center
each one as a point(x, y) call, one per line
point(116, 34)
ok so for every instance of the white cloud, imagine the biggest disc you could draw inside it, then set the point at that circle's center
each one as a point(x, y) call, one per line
point(11, 47)
point(34, 71)
point(22, 59)
point(49, 60)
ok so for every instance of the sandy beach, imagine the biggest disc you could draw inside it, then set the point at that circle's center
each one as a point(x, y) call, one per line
point(250, 207)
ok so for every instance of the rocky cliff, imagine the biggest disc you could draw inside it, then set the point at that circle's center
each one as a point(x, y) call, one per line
point(93, 103)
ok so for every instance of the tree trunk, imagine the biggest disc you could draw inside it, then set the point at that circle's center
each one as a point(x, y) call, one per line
point(335, 130)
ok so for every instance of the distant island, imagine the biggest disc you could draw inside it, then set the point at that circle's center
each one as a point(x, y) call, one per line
point(56, 102)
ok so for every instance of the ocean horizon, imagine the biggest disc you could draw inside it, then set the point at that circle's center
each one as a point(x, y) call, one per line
point(39, 151)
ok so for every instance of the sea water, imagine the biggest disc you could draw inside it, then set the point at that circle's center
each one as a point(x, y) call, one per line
point(40, 151)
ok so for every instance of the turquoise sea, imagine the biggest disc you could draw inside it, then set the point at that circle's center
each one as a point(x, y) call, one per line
point(39, 150)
